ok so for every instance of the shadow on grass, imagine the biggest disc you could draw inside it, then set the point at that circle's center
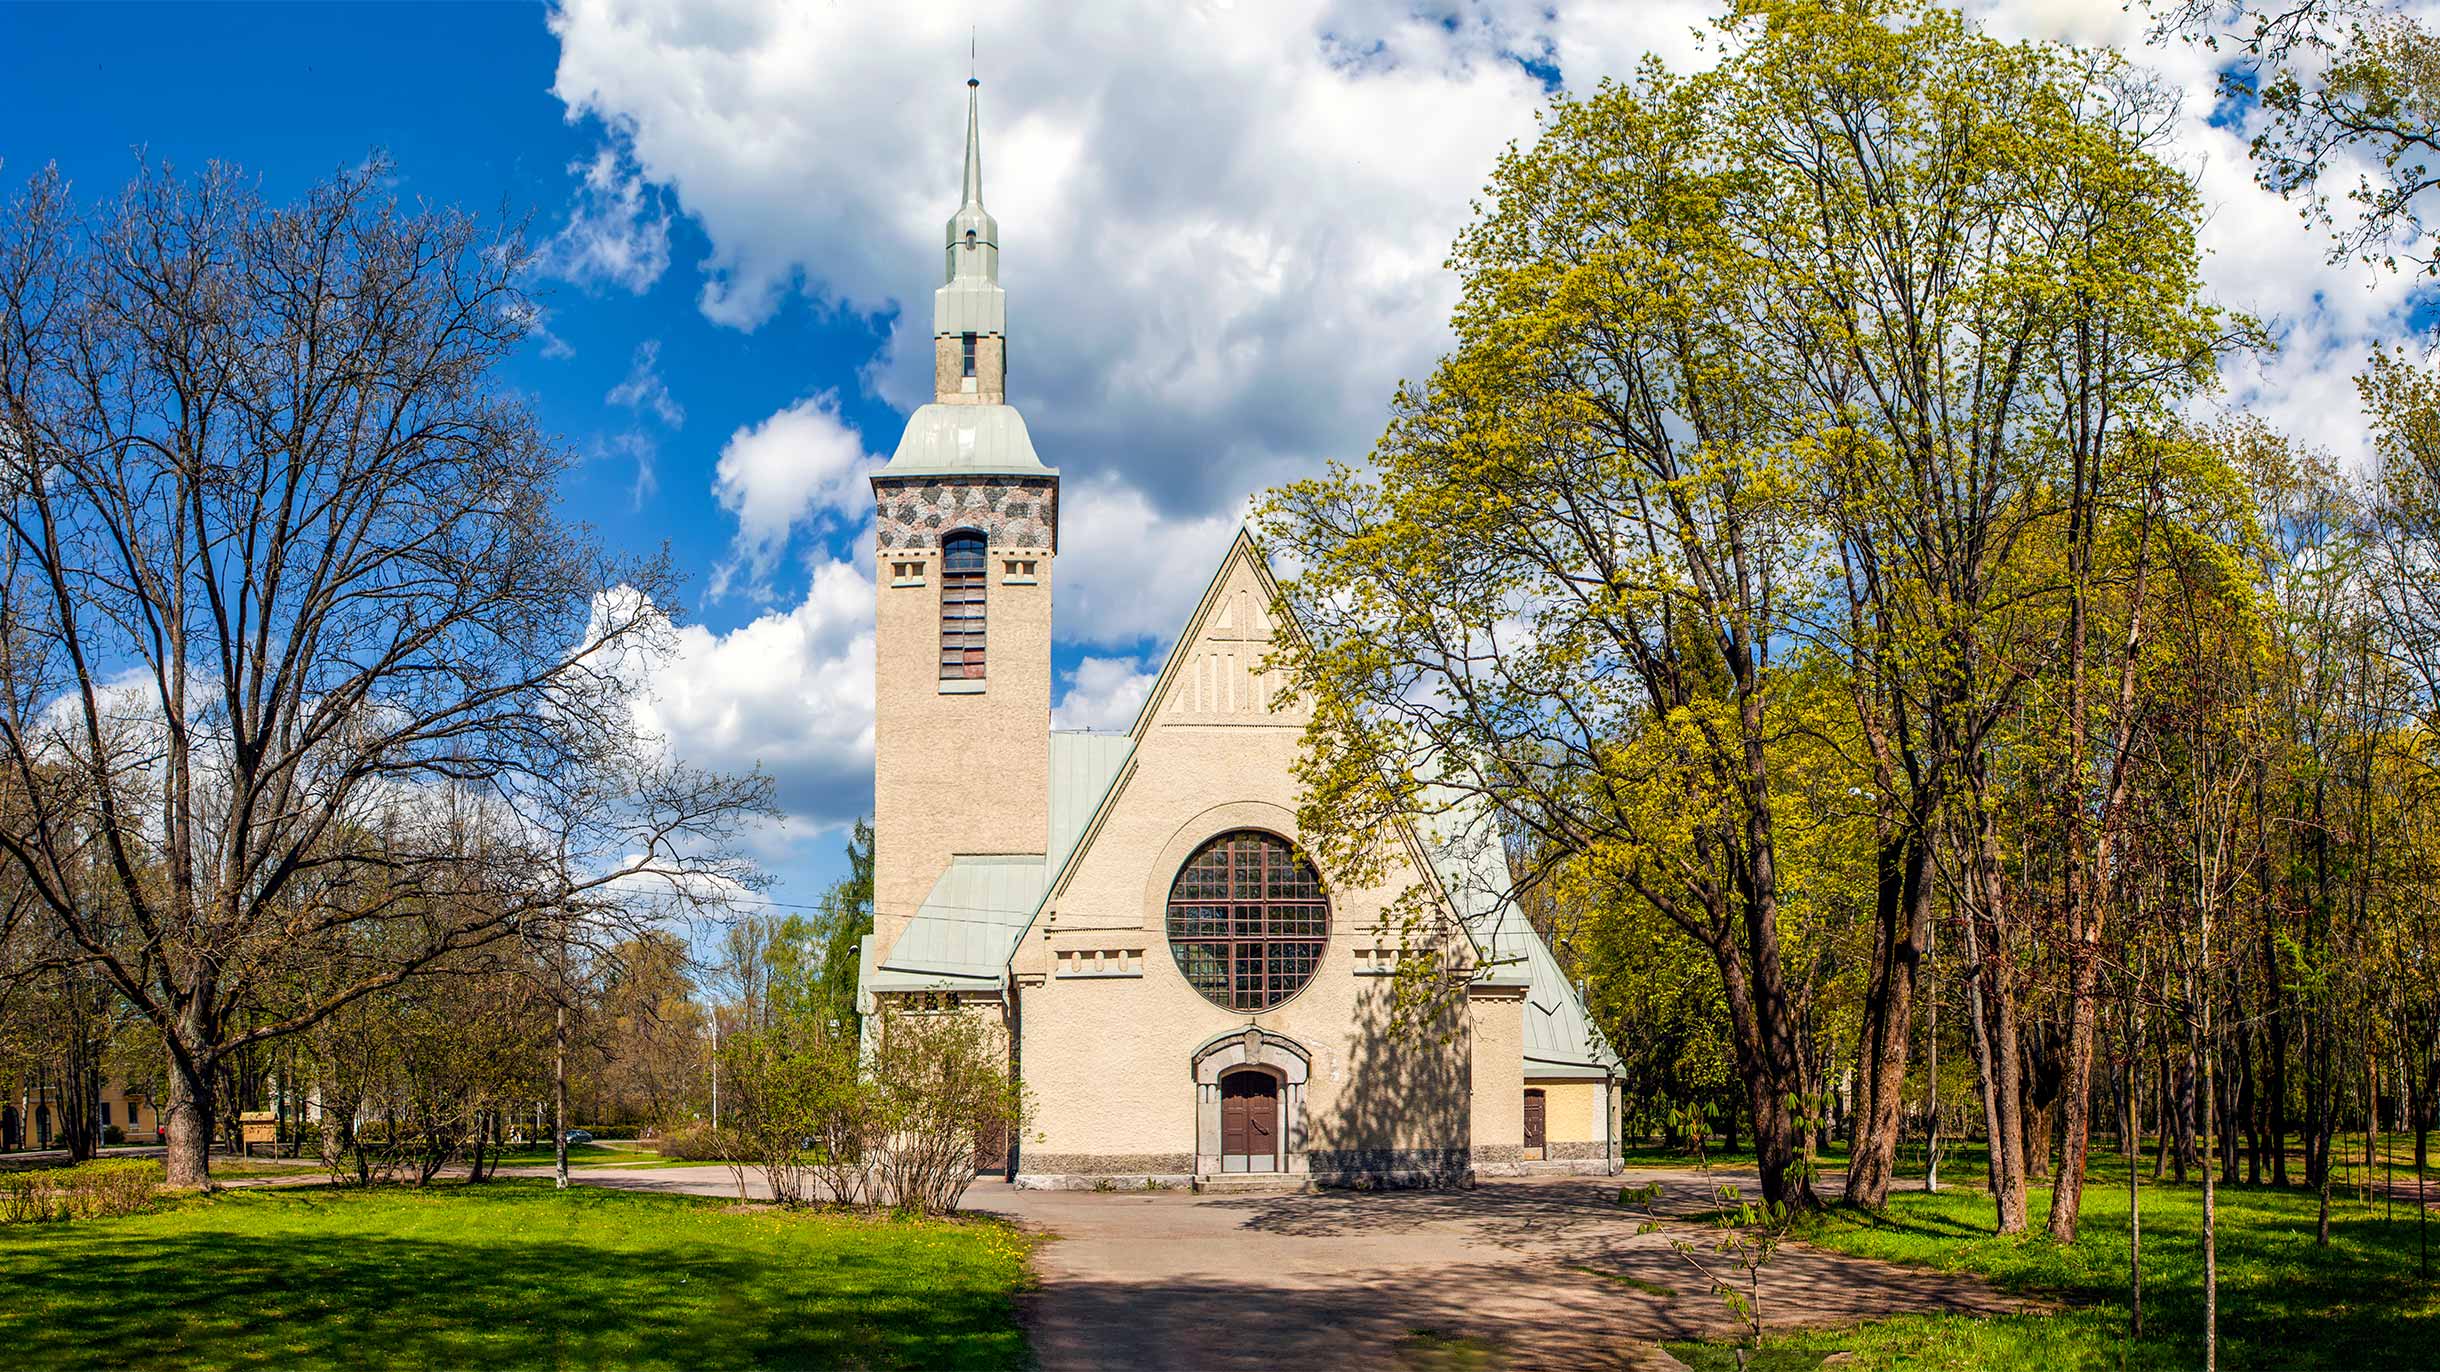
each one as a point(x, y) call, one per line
point(503, 1276)
point(2284, 1301)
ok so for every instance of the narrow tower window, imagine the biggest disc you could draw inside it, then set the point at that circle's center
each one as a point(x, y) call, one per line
point(969, 355)
point(961, 600)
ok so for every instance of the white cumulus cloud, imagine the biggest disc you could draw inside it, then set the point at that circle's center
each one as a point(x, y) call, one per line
point(617, 231)
point(1102, 693)
point(1126, 570)
point(799, 467)
point(791, 691)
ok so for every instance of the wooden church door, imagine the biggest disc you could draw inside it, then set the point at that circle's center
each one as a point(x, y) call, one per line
point(1249, 1122)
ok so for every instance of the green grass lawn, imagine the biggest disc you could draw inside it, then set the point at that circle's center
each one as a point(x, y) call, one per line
point(2284, 1302)
point(509, 1274)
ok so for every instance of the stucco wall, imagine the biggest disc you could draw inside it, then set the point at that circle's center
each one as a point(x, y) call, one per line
point(1108, 1058)
point(1498, 1114)
point(1570, 1110)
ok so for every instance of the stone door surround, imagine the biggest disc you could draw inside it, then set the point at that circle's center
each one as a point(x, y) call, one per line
point(1250, 1047)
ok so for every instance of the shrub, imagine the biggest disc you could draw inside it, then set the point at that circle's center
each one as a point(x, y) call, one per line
point(813, 1116)
point(944, 1086)
point(92, 1190)
point(695, 1142)
point(113, 1134)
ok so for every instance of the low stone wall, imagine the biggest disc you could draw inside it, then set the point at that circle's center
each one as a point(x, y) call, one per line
point(1360, 1168)
point(1104, 1181)
point(1105, 1164)
point(1390, 1167)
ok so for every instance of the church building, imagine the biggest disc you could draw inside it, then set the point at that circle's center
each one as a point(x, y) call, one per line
point(1183, 994)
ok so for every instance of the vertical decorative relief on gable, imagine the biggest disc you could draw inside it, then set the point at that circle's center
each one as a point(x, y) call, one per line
point(1223, 680)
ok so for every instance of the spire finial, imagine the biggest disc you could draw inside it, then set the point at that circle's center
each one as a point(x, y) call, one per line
point(971, 40)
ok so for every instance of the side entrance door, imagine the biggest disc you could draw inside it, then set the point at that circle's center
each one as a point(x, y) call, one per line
point(990, 1148)
point(1249, 1122)
point(1536, 1146)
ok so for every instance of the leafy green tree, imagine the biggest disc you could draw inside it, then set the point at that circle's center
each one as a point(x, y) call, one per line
point(1792, 351)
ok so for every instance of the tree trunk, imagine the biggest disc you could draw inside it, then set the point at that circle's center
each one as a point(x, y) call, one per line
point(188, 1114)
point(2164, 1111)
point(2184, 1156)
point(2008, 1143)
point(2211, 1251)
point(1931, 1075)
point(2249, 1103)
point(1998, 1059)
point(559, 1096)
point(2076, 1124)
point(2134, 1176)
point(2274, 1061)
point(1902, 927)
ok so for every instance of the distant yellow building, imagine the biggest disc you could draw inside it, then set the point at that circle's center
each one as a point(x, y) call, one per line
point(32, 1113)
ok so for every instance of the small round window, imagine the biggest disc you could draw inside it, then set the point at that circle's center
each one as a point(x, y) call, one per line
point(1248, 920)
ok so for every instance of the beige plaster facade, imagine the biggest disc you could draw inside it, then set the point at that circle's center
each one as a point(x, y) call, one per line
point(1029, 875)
point(994, 733)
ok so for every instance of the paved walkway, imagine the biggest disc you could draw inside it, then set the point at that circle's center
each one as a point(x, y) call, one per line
point(1529, 1273)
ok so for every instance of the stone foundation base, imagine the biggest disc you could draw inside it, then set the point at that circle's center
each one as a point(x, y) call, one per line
point(1369, 1168)
point(1363, 1169)
point(1106, 1164)
point(1551, 1167)
point(1104, 1181)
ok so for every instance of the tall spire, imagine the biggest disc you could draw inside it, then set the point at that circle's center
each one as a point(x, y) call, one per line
point(970, 311)
point(974, 236)
point(974, 143)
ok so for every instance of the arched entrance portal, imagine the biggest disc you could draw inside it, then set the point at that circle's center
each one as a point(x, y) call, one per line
point(1249, 1121)
point(1249, 1102)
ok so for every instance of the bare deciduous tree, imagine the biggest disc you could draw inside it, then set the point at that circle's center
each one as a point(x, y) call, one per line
point(301, 669)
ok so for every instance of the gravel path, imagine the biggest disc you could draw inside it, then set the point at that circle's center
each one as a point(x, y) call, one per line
point(1523, 1273)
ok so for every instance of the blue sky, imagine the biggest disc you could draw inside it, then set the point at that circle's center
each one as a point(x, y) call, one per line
point(1223, 224)
point(459, 96)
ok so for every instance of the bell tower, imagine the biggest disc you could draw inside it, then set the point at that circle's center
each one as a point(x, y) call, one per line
point(967, 523)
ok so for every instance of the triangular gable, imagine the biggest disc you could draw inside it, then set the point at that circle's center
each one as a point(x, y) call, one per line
point(1242, 622)
point(1180, 651)
point(1219, 614)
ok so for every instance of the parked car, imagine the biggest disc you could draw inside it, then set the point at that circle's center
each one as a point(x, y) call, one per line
point(579, 1136)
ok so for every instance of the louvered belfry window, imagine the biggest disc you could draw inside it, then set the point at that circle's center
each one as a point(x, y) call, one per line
point(961, 607)
point(1248, 920)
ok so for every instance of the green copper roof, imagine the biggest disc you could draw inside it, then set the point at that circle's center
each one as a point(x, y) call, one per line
point(1083, 766)
point(965, 440)
point(1560, 1036)
point(974, 914)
